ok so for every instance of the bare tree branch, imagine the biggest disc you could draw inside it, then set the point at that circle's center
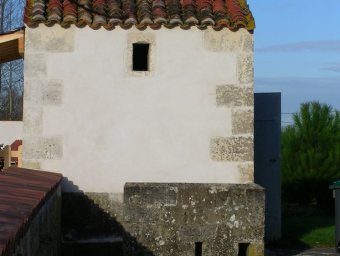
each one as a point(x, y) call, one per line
point(11, 73)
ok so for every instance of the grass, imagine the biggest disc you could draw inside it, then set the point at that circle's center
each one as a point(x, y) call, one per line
point(307, 232)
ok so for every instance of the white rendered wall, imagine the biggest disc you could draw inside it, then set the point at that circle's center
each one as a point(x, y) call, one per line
point(101, 125)
point(10, 131)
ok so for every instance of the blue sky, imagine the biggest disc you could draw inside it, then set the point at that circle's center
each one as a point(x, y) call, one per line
point(297, 51)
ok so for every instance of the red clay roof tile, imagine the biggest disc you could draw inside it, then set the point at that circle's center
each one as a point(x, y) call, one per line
point(15, 145)
point(141, 13)
point(14, 159)
point(22, 193)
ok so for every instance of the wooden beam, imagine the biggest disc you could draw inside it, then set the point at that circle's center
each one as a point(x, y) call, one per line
point(9, 37)
point(12, 46)
point(7, 157)
point(21, 46)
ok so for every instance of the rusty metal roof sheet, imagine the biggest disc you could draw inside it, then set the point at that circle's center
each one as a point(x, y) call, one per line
point(22, 193)
point(141, 13)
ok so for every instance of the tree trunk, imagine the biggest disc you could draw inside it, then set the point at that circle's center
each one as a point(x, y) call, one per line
point(2, 12)
point(11, 73)
point(10, 91)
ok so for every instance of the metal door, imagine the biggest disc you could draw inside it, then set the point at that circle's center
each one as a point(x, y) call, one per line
point(267, 157)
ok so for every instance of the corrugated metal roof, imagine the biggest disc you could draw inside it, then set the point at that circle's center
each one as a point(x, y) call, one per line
point(22, 194)
point(141, 13)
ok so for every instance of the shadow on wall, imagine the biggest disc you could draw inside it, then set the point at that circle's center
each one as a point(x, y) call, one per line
point(165, 219)
point(89, 230)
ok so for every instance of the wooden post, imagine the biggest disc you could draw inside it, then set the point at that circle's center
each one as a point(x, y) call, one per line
point(21, 45)
point(7, 157)
point(2, 154)
point(20, 156)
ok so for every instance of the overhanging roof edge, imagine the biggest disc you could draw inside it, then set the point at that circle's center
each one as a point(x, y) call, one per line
point(12, 45)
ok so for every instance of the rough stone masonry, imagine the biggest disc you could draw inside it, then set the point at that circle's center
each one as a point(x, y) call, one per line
point(166, 219)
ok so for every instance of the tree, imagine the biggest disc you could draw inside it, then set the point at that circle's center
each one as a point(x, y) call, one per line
point(311, 155)
point(11, 73)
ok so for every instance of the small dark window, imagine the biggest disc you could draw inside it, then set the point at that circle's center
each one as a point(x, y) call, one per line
point(243, 249)
point(198, 249)
point(140, 57)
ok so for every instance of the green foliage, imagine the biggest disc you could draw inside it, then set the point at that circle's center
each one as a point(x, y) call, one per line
point(294, 210)
point(311, 155)
point(300, 232)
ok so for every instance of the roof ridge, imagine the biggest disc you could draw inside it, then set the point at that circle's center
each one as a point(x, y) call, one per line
point(232, 14)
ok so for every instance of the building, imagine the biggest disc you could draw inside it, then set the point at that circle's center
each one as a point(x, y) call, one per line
point(148, 95)
point(185, 116)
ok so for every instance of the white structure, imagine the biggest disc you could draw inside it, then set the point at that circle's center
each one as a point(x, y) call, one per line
point(188, 117)
point(10, 131)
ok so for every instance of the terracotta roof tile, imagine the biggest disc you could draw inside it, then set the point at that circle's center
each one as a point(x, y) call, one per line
point(22, 193)
point(15, 145)
point(141, 13)
point(14, 159)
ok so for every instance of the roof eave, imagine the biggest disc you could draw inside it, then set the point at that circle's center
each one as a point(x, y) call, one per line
point(12, 46)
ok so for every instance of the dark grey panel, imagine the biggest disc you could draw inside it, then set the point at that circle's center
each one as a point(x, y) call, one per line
point(267, 157)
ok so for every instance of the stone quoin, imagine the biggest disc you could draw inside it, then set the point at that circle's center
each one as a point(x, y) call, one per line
point(146, 108)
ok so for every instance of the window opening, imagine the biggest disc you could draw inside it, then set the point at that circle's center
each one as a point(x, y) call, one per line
point(140, 56)
point(198, 248)
point(243, 249)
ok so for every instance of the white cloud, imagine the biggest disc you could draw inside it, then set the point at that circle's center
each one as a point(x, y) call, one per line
point(320, 46)
point(299, 83)
point(295, 90)
point(332, 68)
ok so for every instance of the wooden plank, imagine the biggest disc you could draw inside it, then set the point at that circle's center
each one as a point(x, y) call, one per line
point(10, 37)
point(21, 46)
point(12, 46)
point(7, 157)
point(20, 156)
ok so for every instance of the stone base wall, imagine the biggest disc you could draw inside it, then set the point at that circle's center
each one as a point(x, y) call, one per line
point(44, 235)
point(175, 219)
